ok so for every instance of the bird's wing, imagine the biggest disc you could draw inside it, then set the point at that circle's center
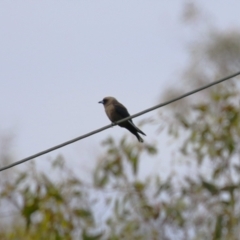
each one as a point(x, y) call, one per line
point(121, 110)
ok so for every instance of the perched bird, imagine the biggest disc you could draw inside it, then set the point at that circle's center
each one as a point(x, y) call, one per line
point(116, 111)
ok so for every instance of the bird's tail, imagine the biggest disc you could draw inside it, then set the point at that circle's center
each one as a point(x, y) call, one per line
point(137, 128)
point(139, 138)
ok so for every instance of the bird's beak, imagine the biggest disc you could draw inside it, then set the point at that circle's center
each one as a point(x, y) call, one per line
point(101, 102)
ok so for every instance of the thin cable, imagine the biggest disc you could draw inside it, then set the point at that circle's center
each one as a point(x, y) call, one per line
point(116, 123)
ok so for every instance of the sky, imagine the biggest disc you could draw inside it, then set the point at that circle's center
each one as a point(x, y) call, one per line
point(59, 58)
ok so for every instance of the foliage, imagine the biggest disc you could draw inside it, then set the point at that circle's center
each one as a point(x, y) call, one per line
point(48, 209)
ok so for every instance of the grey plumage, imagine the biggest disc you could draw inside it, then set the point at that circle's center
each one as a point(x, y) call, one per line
point(116, 111)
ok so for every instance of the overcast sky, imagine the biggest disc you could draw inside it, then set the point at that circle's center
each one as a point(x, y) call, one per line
point(59, 58)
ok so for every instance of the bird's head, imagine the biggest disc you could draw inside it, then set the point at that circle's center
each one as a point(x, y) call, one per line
point(107, 100)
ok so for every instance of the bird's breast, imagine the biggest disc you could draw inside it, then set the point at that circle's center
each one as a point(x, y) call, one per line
point(112, 114)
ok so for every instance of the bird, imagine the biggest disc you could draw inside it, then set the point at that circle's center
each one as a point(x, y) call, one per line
point(116, 111)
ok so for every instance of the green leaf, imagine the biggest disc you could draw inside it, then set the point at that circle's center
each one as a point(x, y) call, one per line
point(210, 187)
point(86, 236)
point(83, 213)
point(139, 186)
point(218, 228)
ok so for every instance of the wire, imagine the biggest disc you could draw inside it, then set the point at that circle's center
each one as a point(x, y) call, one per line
point(116, 123)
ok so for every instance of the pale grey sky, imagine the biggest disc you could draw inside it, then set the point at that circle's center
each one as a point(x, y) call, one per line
point(59, 58)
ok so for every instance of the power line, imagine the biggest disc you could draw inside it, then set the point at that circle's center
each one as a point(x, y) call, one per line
point(116, 123)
